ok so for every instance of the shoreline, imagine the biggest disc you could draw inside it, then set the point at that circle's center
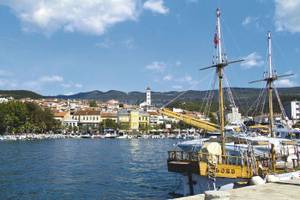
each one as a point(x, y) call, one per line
point(33, 136)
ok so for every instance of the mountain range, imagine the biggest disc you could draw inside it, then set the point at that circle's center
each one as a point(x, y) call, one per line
point(241, 95)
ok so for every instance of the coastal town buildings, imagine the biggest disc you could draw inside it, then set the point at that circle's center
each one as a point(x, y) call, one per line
point(88, 117)
point(134, 120)
point(293, 110)
point(234, 117)
point(143, 120)
point(109, 116)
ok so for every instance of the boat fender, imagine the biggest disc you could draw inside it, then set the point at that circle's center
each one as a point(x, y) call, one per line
point(257, 180)
point(272, 179)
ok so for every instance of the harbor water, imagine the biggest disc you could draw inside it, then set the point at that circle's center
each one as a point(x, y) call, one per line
point(86, 169)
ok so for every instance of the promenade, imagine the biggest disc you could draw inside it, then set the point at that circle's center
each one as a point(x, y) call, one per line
point(284, 190)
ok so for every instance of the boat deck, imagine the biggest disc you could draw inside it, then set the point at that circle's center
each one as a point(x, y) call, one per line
point(276, 191)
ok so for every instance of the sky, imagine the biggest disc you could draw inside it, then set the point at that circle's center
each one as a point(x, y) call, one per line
point(64, 47)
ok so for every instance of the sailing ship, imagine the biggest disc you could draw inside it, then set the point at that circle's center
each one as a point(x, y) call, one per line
point(219, 163)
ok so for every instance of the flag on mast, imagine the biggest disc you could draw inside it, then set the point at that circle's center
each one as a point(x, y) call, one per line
point(216, 40)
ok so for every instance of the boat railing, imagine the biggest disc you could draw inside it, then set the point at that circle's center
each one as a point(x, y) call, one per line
point(200, 156)
point(265, 160)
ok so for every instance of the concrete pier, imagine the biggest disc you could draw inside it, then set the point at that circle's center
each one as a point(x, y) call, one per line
point(284, 190)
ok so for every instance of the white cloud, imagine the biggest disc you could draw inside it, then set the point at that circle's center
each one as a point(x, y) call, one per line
point(168, 77)
point(71, 85)
point(87, 16)
point(285, 83)
point(254, 21)
point(177, 87)
point(188, 79)
point(156, 6)
point(156, 66)
point(287, 15)
point(252, 60)
point(247, 21)
point(49, 79)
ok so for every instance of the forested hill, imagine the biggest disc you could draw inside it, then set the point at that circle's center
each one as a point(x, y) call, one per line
point(242, 96)
point(160, 98)
point(18, 94)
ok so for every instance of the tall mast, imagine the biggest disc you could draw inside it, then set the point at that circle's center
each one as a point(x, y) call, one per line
point(219, 41)
point(270, 55)
point(220, 64)
point(270, 80)
point(219, 68)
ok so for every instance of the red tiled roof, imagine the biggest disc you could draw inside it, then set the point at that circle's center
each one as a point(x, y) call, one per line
point(60, 114)
point(87, 112)
point(103, 115)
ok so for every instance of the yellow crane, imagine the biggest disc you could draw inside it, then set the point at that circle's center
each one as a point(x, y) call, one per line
point(198, 123)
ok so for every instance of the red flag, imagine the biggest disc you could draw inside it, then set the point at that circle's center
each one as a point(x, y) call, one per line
point(216, 40)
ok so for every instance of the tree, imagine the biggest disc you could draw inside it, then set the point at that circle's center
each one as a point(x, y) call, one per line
point(123, 126)
point(109, 123)
point(93, 103)
point(143, 127)
point(18, 117)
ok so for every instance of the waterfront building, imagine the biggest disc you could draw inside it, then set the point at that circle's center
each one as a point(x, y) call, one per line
point(109, 115)
point(293, 110)
point(66, 119)
point(155, 118)
point(124, 119)
point(87, 117)
point(143, 120)
point(60, 115)
point(134, 120)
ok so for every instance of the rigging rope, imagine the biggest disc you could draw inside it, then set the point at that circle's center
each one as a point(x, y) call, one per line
point(229, 92)
point(184, 92)
point(285, 117)
point(263, 105)
point(210, 97)
point(255, 103)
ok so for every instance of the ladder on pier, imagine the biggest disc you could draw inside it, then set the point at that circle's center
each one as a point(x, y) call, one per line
point(211, 174)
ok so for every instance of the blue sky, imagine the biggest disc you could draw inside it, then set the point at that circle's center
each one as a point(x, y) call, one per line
point(63, 47)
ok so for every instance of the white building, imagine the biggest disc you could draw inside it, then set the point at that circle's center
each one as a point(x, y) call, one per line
point(148, 102)
point(293, 110)
point(234, 117)
point(148, 96)
point(87, 117)
point(3, 100)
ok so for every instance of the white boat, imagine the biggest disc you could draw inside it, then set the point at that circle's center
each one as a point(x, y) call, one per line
point(124, 136)
point(86, 136)
point(110, 133)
